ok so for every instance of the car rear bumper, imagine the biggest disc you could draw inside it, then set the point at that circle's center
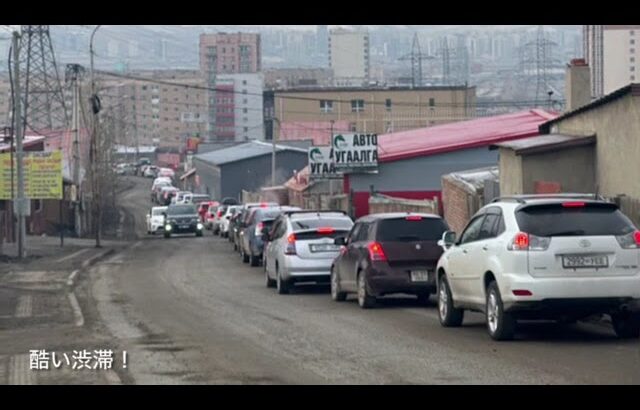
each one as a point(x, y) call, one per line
point(575, 291)
point(388, 280)
point(296, 267)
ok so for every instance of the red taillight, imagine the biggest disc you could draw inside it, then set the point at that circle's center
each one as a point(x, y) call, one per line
point(259, 228)
point(376, 252)
point(291, 245)
point(521, 241)
point(219, 214)
point(522, 292)
point(413, 218)
point(630, 240)
point(263, 205)
point(326, 230)
point(573, 204)
point(636, 237)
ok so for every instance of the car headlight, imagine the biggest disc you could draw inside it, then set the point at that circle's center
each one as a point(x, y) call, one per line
point(167, 227)
point(200, 226)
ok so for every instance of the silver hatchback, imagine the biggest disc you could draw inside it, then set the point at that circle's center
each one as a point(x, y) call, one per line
point(300, 247)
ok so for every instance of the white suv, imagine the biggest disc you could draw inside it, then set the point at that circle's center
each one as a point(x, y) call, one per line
point(562, 257)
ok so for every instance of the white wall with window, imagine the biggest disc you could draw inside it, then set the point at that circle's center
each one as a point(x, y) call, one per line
point(248, 109)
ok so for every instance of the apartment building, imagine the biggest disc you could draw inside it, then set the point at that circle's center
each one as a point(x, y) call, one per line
point(349, 57)
point(612, 53)
point(239, 111)
point(372, 109)
point(169, 110)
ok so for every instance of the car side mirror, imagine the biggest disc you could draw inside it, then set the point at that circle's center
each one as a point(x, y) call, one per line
point(228, 217)
point(340, 240)
point(448, 240)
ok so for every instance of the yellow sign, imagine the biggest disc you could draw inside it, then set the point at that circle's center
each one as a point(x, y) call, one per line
point(42, 175)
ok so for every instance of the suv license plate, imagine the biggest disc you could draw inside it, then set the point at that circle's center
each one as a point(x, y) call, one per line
point(588, 261)
point(184, 226)
point(329, 247)
point(419, 276)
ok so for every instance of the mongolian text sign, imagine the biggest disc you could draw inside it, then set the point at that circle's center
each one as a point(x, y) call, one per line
point(322, 163)
point(355, 152)
point(42, 175)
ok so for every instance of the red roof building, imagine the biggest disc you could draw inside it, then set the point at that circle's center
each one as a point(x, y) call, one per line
point(411, 163)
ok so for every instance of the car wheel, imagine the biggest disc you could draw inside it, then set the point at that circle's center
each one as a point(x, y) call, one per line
point(244, 256)
point(423, 298)
point(500, 324)
point(270, 283)
point(365, 300)
point(336, 292)
point(199, 234)
point(449, 316)
point(626, 324)
point(254, 260)
point(167, 235)
point(282, 285)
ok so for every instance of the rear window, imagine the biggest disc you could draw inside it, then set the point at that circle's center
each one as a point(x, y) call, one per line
point(267, 214)
point(181, 210)
point(556, 220)
point(313, 223)
point(403, 230)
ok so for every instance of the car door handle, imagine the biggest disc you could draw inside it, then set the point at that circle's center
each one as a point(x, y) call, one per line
point(485, 248)
point(464, 251)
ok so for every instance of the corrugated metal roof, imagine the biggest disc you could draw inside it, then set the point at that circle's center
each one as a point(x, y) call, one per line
point(460, 135)
point(27, 141)
point(544, 143)
point(243, 151)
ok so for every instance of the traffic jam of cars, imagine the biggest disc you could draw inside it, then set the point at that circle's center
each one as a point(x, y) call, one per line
point(555, 257)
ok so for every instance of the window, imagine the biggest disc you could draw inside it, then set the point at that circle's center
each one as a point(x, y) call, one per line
point(632, 41)
point(632, 68)
point(632, 50)
point(244, 101)
point(246, 129)
point(403, 230)
point(632, 78)
point(244, 91)
point(244, 82)
point(37, 205)
point(357, 105)
point(387, 104)
point(432, 102)
point(352, 126)
point(326, 106)
point(244, 110)
point(632, 59)
point(472, 230)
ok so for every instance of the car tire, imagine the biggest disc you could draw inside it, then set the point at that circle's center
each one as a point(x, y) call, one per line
point(500, 324)
point(254, 260)
point(449, 315)
point(336, 292)
point(282, 286)
point(270, 283)
point(199, 234)
point(626, 324)
point(244, 256)
point(167, 235)
point(423, 298)
point(365, 300)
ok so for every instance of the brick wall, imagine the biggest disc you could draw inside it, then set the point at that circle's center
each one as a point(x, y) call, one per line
point(455, 201)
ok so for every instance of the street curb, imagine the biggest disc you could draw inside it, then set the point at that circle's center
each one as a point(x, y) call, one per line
point(91, 261)
point(77, 312)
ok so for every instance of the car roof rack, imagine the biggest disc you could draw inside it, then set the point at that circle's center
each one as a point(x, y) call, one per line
point(316, 211)
point(522, 198)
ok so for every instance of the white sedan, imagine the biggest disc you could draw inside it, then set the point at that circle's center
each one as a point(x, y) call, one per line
point(155, 219)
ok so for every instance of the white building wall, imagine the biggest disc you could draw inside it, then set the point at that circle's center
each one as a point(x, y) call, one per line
point(248, 89)
point(621, 54)
point(349, 57)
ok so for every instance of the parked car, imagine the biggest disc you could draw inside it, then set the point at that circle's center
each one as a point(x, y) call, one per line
point(165, 194)
point(229, 201)
point(155, 219)
point(158, 184)
point(300, 247)
point(150, 171)
point(182, 219)
point(203, 208)
point(386, 254)
point(234, 226)
point(178, 199)
point(216, 216)
point(241, 223)
point(166, 172)
point(225, 221)
point(258, 223)
point(556, 257)
point(195, 198)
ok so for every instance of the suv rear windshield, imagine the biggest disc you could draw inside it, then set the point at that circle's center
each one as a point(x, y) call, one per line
point(403, 230)
point(313, 223)
point(590, 220)
point(181, 210)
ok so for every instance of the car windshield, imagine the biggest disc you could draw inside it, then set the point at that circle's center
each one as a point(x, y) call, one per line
point(313, 223)
point(557, 220)
point(181, 210)
point(410, 230)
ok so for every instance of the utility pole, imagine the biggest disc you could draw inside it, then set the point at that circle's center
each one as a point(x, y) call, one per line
point(416, 57)
point(18, 120)
point(273, 152)
point(331, 188)
point(95, 163)
point(74, 73)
